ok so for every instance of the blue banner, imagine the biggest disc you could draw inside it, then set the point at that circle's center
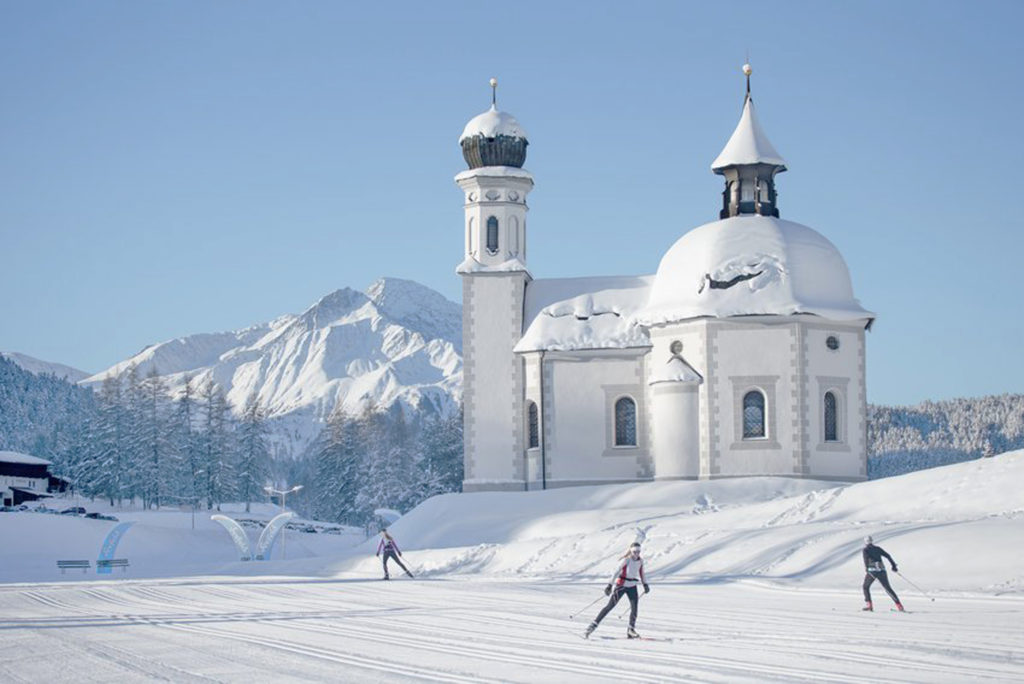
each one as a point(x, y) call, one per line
point(109, 546)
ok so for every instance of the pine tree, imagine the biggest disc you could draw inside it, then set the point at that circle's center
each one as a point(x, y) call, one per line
point(253, 451)
point(216, 445)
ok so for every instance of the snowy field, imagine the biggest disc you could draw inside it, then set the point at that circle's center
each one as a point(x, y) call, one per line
point(752, 580)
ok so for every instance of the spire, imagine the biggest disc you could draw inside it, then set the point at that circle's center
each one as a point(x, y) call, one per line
point(749, 163)
point(494, 93)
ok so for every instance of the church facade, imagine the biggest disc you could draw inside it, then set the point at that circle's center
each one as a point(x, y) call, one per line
point(743, 355)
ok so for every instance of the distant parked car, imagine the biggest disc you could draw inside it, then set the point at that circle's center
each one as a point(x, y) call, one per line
point(6, 509)
point(332, 530)
point(74, 510)
point(108, 517)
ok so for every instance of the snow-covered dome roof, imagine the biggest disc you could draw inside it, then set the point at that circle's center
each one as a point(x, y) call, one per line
point(493, 138)
point(748, 144)
point(749, 265)
point(491, 124)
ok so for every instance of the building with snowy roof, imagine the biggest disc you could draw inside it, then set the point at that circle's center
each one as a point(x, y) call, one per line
point(26, 478)
point(743, 355)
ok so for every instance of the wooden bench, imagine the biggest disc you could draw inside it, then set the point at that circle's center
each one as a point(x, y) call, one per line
point(65, 564)
point(113, 563)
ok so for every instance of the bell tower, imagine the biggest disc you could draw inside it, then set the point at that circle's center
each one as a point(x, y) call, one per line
point(749, 163)
point(494, 280)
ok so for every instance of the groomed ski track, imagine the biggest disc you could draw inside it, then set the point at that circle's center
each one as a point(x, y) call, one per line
point(483, 630)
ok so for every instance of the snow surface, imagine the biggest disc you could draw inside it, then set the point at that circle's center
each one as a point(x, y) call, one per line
point(748, 144)
point(491, 124)
point(39, 367)
point(565, 314)
point(752, 579)
point(396, 342)
point(471, 265)
point(17, 457)
point(779, 267)
point(674, 370)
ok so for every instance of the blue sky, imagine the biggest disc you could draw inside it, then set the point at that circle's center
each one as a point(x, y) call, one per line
point(169, 168)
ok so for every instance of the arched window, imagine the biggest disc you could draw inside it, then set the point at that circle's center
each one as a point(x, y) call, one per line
point(625, 422)
point(513, 235)
point(533, 425)
point(492, 235)
point(753, 415)
point(831, 418)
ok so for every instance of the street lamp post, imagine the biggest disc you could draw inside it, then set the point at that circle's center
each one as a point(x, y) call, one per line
point(283, 494)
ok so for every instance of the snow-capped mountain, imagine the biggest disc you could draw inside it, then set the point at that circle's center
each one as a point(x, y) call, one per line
point(39, 367)
point(396, 342)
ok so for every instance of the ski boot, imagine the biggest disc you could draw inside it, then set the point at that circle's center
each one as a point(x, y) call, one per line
point(590, 630)
point(899, 607)
point(868, 607)
point(387, 577)
point(632, 633)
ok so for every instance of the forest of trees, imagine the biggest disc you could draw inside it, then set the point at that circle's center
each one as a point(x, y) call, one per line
point(130, 441)
point(903, 439)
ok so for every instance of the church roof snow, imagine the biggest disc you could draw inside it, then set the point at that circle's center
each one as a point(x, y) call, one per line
point(569, 314)
point(748, 144)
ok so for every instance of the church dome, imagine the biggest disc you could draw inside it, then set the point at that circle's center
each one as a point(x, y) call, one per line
point(751, 265)
point(493, 138)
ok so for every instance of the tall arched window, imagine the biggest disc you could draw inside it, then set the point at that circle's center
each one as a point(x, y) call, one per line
point(831, 418)
point(625, 422)
point(492, 235)
point(753, 415)
point(533, 425)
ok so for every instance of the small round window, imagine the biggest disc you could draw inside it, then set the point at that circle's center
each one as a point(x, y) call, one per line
point(832, 342)
point(676, 347)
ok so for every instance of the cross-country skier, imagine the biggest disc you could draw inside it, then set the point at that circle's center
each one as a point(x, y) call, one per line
point(875, 570)
point(390, 549)
point(628, 574)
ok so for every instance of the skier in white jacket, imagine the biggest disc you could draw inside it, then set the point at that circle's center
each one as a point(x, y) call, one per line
point(628, 574)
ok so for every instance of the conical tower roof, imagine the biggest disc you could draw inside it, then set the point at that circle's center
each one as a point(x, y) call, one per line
point(748, 144)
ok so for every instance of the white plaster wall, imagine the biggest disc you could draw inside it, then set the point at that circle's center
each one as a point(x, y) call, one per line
point(766, 353)
point(675, 442)
point(840, 371)
point(492, 381)
point(580, 445)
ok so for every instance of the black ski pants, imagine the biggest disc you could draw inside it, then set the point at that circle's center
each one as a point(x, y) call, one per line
point(392, 555)
point(883, 578)
point(617, 593)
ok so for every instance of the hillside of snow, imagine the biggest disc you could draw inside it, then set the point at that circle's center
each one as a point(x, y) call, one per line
point(39, 367)
point(396, 342)
point(954, 528)
point(753, 580)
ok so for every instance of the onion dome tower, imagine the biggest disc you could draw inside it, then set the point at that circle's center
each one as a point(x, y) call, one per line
point(749, 163)
point(494, 282)
point(494, 138)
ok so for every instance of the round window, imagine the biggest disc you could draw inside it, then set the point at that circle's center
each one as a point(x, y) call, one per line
point(832, 342)
point(676, 347)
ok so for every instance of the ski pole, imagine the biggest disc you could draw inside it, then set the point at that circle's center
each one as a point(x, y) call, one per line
point(585, 607)
point(926, 594)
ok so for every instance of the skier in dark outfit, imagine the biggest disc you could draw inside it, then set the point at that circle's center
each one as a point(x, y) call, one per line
point(875, 570)
point(628, 574)
point(390, 549)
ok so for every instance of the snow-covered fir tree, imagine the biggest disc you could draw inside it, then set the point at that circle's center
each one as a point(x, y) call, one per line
point(253, 452)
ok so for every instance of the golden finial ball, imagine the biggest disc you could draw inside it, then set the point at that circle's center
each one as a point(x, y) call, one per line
point(747, 70)
point(494, 83)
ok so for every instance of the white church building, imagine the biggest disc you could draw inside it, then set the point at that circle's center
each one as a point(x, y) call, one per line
point(743, 355)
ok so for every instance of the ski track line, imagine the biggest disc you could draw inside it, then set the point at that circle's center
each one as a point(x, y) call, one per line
point(456, 646)
point(140, 664)
point(333, 656)
point(710, 665)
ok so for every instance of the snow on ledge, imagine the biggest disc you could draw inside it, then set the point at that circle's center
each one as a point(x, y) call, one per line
point(675, 370)
point(471, 265)
point(496, 172)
